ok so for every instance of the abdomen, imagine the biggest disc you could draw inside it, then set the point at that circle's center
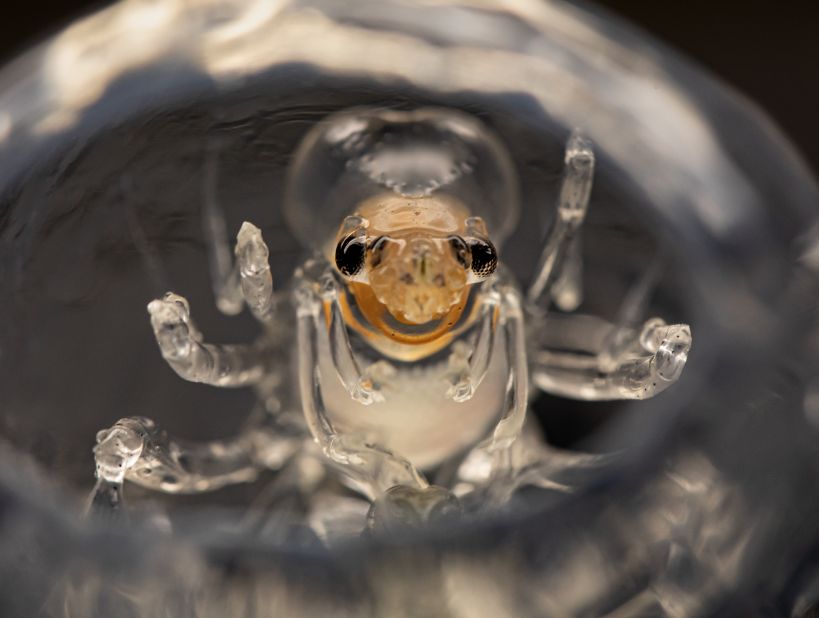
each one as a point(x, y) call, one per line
point(417, 420)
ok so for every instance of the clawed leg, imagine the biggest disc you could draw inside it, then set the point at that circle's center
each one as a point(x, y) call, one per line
point(634, 361)
point(181, 345)
point(503, 463)
point(560, 269)
point(248, 279)
point(401, 497)
point(254, 273)
point(372, 468)
point(653, 361)
point(468, 364)
point(492, 459)
point(318, 284)
point(135, 449)
point(181, 342)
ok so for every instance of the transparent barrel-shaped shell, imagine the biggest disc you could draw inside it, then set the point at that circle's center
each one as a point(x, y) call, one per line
point(109, 134)
point(355, 155)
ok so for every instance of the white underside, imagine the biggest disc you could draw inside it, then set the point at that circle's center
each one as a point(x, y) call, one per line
point(417, 420)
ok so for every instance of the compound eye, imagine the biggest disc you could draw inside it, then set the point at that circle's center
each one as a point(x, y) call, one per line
point(350, 255)
point(460, 249)
point(484, 257)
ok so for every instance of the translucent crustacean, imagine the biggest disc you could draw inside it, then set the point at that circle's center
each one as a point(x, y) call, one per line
point(416, 348)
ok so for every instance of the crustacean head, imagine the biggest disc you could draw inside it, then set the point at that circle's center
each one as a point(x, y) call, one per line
point(416, 257)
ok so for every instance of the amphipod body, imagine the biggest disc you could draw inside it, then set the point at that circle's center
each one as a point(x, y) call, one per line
point(411, 340)
point(410, 257)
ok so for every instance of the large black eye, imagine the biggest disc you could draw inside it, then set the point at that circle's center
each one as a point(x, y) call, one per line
point(484, 257)
point(350, 255)
point(460, 250)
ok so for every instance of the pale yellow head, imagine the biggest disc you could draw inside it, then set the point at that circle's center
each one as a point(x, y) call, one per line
point(415, 257)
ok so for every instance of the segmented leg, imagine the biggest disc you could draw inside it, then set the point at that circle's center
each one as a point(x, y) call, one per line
point(181, 345)
point(533, 463)
point(633, 360)
point(359, 384)
point(220, 365)
point(652, 362)
point(254, 273)
point(468, 365)
point(562, 250)
point(318, 281)
point(620, 339)
point(224, 276)
point(493, 458)
point(373, 469)
point(517, 386)
point(136, 450)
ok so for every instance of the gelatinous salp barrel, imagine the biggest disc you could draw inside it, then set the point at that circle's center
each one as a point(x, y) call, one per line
point(106, 130)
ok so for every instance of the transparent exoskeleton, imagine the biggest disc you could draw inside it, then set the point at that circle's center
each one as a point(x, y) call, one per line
point(415, 346)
